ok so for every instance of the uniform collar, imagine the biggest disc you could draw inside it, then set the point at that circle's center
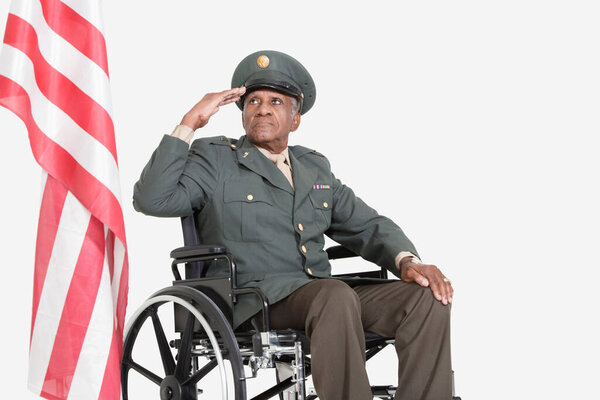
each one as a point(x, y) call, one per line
point(268, 154)
point(252, 158)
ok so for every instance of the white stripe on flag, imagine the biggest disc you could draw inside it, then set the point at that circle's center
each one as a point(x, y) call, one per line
point(89, 373)
point(71, 232)
point(90, 10)
point(58, 126)
point(65, 58)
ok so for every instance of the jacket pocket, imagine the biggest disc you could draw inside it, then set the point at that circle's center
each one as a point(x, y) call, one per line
point(247, 212)
point(322, 202)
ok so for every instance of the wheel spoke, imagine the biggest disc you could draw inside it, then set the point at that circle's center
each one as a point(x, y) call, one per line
point(163, 345)
point(201, 373)
point(185, 348)
point(148, 374)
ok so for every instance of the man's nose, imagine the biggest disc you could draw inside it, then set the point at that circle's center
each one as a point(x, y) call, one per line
point(263, 109)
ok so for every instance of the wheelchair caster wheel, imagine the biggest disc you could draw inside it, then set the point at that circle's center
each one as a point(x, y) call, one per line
point(207, 348)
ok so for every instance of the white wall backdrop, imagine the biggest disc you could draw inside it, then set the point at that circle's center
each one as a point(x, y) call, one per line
point(473, 124)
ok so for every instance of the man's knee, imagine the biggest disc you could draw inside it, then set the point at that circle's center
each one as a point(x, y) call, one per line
point(407, 303)
point(428, 313)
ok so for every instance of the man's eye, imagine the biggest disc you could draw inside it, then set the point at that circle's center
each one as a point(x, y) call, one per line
point(253, 101)
point(276, 101)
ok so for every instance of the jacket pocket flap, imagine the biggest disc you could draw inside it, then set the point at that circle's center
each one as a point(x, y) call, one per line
point(321, 199)
point(242, 191)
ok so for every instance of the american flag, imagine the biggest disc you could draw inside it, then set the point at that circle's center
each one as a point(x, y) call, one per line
point(54, 77)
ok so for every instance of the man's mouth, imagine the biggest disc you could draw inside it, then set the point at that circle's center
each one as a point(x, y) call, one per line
point(260, 123)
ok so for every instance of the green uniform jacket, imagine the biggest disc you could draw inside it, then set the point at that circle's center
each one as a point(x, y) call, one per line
point(246, 204)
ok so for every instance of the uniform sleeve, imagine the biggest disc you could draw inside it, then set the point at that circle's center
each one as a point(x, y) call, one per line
point(176, 181)
point(360, 228)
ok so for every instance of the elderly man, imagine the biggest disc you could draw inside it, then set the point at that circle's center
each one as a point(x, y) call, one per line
point(270, 204)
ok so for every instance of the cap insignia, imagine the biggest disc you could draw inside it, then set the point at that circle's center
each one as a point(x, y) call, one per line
point(262, 61)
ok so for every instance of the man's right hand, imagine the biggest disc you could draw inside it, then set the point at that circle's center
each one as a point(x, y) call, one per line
point(199, 115)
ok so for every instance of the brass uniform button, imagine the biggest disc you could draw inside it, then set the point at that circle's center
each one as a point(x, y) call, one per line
point(325, 205)
point(304, 249)
point(300, 228)
point(233, 146)
point(309, 270)
point(224, 139)
point(262, 61)
point(250, 197)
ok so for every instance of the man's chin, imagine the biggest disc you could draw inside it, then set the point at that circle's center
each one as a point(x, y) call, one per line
point(261, 135)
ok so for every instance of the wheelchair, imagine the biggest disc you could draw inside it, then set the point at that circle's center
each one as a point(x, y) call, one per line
point(204, 348)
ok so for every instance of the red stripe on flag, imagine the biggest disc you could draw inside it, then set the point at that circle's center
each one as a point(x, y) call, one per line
point(76, 30)
point(53, 200)
point(111, 387)
point(58, 163)
point(63, 93)
point(110, 253)
point(77, 311)
point(122, 298)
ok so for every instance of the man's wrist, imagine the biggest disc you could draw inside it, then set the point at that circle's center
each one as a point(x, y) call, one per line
point(404, 257)
point(184, 133)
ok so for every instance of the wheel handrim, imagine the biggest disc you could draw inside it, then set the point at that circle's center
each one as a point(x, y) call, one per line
point(211, 336)
point(187, 370)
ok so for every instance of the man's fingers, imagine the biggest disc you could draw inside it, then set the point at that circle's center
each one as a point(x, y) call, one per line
point(235, 92)
point(208, 106)
point(229, 100)
point(437, 290)
point(441, 287)
point(413, 275)
point(449, 289)
point(231, 95)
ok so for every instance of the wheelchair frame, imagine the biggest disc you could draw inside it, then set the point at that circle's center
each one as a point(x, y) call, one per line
point(203, 309)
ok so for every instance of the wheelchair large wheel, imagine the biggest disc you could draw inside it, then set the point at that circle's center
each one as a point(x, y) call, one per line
point(203, 361)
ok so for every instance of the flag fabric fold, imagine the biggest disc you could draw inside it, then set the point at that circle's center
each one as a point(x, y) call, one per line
point(54, 77)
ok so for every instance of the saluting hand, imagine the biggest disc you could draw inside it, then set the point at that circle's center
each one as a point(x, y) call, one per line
point(199, 115)
point(427, 275)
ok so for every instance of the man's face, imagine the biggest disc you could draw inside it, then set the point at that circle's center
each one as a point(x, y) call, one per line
point(267, 119)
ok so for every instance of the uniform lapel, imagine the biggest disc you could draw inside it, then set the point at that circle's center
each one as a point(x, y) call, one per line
point(304, 178)
point(251, 158)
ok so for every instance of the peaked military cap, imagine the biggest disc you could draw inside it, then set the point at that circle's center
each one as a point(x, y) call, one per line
point(278, 71)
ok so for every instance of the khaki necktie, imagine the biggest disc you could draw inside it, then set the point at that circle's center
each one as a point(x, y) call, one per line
point(279, 161)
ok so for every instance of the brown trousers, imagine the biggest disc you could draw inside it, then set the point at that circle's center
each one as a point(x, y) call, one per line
point(335, 316)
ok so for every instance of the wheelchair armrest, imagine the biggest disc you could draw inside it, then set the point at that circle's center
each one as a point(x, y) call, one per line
point(337, 252)
point(197, 251)
point(206, 252)
point(378, 274)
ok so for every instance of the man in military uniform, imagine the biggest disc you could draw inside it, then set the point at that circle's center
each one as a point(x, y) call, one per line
point(270, 204)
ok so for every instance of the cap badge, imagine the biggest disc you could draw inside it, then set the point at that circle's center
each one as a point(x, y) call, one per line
point(262, 61)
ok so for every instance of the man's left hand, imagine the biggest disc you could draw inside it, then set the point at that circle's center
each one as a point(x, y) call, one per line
point(428, 276)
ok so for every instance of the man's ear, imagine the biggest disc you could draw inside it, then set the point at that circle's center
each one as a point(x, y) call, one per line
point(295, 122)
